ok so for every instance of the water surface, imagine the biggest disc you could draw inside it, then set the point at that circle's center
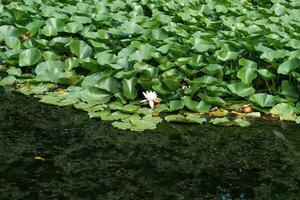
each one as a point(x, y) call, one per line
point(49, 152)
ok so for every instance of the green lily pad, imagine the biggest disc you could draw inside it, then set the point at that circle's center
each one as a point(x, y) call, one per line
point(14, 71)
point(248, 73)
point(177, 118)
point(201, 106)
point(111, 85)
point(263, 100)
point(81, 49)
point(241, 89)
point(241, 122)
point(282, 109)
point(115, 116)
point(226, 54)
point(94, 95)
point(135, 123)
point(54, 71)
point(8, 30)
point(30, 57)
point(196, 119)
point(298, 120)
point(176, 105)
point(129, 88)
point(288, 66)
point(218, 101)
point(221, 121)
point(73, 27)
point(9, 80)
point(12, 42)
point(29, 89)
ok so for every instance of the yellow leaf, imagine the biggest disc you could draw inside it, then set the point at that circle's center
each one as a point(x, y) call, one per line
point(218, 113)
point(247, 108)
point(39, 158)
point(288, 117)
point(238, 114)
point(62, 90)
point(254, 114)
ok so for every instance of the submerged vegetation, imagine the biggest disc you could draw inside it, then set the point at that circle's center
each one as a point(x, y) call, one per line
point(205, 59)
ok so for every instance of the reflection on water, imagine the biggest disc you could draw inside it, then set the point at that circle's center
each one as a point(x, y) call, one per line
point(48, 152)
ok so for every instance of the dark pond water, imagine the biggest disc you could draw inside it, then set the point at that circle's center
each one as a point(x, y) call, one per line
point(88, 159)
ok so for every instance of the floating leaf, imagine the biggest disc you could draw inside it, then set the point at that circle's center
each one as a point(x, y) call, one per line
point(129, 88)
point(48, 55)
point(241, 122)
point(218, 113)
point(49, 31)
point(109, 84)
point(288, 117)
point(30, 57)
point(298, 120)
point(226, 54)
point(122, 125)
point(247, 63)
point(9, 80)
point(221, 121)
point(263, 99)
point(130, 108)
point(89, 81)
point(270, 56)
point(105, 58)
point(14, 71)
point(57, 99)
point(114, 116)
point(254, 114)
point(94, 95)
point(29, 89)
point(171, 84)
point(81, 49)
point(288, 89)
point(7, 30)
point(73, 27)
point(248, 73)
point(202, 45)
point(57, 24)
point(212, 100)
point(293, 43)
point(241, 89)
point(196, 106)
point(145, 52)
point(12, 42)
point(266, 74)
point(81, 19)
point(178, 118)
point(176, 105)
point(132, 28)
point(52, 71)
point(282, 109)
point(196, 119)
point(135, 123)
point(288, 66)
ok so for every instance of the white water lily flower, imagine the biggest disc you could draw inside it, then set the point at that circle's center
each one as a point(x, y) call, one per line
point(184, 87)
point(151, 97)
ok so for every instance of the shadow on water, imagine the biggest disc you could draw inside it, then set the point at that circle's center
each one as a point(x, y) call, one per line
point(49, 152)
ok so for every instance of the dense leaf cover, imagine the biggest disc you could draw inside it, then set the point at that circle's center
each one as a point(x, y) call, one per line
point(100, 55)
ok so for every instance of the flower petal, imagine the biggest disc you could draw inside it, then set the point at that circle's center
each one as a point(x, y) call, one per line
point(151, 103)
